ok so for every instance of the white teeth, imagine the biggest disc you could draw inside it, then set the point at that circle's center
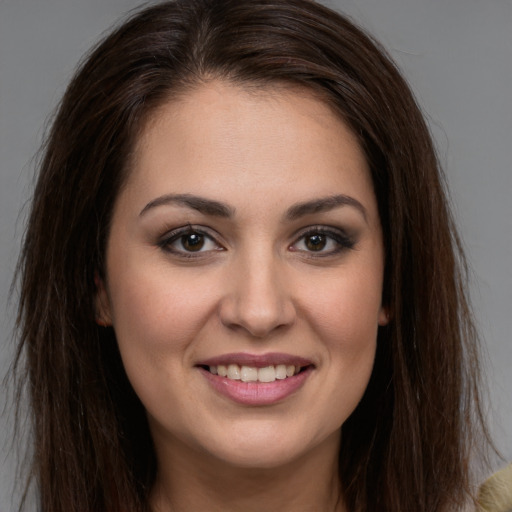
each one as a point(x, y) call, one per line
point(249, 374)
point(253, 374)
point(281, 371)
point(267, 374)
point(234, 372)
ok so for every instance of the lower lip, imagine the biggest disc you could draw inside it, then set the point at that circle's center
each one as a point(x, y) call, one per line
point(257, 393)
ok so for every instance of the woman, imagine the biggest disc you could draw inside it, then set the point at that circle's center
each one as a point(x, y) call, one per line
point(253, 294)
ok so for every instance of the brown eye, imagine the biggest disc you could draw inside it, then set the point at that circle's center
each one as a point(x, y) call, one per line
point(192, 242)
point(324, 241)
point(188, 242)
point(315, 242)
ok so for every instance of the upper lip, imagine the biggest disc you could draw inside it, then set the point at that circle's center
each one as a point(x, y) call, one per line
point(256, 360)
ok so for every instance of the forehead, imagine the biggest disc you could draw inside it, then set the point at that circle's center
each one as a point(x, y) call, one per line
point(222, 139)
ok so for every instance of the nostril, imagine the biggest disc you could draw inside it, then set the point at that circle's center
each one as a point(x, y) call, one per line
point(257, 318)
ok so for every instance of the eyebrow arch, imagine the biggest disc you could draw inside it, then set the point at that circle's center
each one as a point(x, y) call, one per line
point(201, 204)
point(324, 204)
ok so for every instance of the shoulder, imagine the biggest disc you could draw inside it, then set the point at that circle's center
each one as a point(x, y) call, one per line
point(495, 494)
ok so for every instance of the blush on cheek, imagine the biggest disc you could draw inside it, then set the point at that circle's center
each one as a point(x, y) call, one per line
point(348, 320)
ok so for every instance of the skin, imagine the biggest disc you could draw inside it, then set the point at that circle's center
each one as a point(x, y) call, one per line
point(257, 285)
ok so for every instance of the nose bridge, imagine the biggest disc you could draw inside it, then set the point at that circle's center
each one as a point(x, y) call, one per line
point(259, 300)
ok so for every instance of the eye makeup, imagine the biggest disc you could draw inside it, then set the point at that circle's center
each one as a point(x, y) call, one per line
point(190, 241)
point(198, 241)
point(322, 241)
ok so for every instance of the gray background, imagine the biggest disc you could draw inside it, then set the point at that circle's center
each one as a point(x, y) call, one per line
point(457, 54)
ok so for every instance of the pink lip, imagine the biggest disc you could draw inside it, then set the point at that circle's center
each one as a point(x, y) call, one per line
point(257, 360)
point(257, 393)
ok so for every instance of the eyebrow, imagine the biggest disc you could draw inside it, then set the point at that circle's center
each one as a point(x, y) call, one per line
point(324, 204)
point(218, 209)
point(201, 204)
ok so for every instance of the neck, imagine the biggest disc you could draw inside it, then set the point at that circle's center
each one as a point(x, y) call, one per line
point(188, 483)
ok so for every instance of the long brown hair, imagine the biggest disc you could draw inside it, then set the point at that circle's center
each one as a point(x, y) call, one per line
point(407, 446)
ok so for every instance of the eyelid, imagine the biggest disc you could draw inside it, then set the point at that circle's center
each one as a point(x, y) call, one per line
point(338, 235)
point(165, 241)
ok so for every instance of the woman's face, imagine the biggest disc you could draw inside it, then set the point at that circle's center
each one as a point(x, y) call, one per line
point(244, 275)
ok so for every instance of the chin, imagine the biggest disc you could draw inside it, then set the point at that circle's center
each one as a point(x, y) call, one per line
point(260, 459)
point(268, 447)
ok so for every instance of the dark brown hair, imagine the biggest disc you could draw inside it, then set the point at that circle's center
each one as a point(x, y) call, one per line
point(407, 446)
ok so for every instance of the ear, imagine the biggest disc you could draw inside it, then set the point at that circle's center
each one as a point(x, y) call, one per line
point(384, 316)
point(102, 303)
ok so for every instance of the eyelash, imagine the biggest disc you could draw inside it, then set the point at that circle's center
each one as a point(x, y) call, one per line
point(175, 235)
point(342, 240)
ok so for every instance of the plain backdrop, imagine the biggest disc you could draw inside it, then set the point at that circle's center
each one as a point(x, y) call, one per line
point(457, 55)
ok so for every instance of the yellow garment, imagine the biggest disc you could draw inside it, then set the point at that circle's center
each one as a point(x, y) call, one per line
point(495, 493)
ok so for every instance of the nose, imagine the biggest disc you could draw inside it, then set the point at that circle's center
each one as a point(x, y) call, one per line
point(259, 299)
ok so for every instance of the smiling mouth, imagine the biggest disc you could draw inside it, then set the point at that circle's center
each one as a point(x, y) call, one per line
point(257, 379)
point(244, 373)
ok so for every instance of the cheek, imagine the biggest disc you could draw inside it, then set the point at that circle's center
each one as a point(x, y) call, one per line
point(153, 308)
point(348, 308)
point(345, 318)
point(156, 318)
